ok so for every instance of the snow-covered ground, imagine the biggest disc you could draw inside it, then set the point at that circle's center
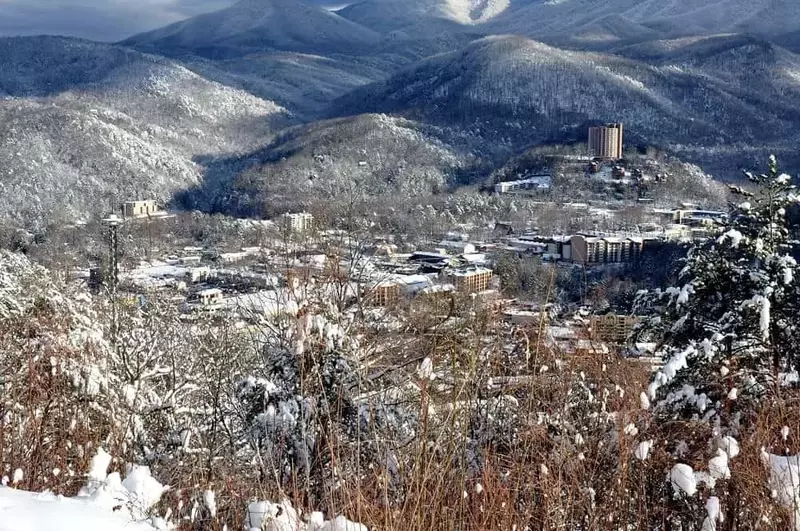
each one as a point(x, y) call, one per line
point(109, 503)
point(105, 503)
point(30, 511)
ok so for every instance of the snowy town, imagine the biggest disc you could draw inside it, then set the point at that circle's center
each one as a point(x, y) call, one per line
point(282, 265)
point(299, 260)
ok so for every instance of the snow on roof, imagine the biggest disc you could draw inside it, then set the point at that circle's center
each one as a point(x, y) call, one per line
point(455, 244)
point(412, 279)
point(266, 302)
point(561, 332)
point(527, 243)
point(439, 288)
point(523, 313)
point(157, 270)
point(593, 346)
point(474, 257)
point(425, 254)
point(210, 292)
point(470, 272)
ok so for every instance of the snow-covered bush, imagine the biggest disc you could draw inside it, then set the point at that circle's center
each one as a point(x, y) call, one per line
point(304, 406)
point(55, 405)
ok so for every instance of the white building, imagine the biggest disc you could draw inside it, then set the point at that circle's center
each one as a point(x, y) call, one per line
point(297, 222)
point(542, 181)
point(138, 209)
point(198, 274)
point(210, 297)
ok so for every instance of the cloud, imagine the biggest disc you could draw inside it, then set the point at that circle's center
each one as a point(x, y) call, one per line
point(103, 20)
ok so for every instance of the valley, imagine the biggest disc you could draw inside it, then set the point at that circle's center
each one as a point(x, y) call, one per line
point(403, 265)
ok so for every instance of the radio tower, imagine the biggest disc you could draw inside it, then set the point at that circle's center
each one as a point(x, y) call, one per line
point(113, 222)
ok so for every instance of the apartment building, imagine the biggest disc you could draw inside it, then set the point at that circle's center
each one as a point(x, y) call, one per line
point(606, 141)
point(472, 280)
point(589, 250)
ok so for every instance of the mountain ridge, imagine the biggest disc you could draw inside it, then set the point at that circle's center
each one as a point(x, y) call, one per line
point(74, 145)
point(531, 92)
point(257, 25)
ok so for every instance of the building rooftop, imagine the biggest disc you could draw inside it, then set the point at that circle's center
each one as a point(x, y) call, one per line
point(210, 292)
point(470, 272)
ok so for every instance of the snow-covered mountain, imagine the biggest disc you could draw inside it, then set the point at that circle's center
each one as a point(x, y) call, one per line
point(255, 26)
point(584, 23)
point(303, 83)
point(517, 91)
point(86, 125)
point(369, 154)
point(388, 15)
point(559, 19)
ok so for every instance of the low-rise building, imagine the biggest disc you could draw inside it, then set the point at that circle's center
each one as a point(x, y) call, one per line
point(190, 260)
point(540, 182)
point(229, 258)
point(138, 209)
point(611, 327)
point(699, 217)
point(520, 316)
point(296, 222)
point(385, 293)
point(550, 247)
point(210, 297)
point(198, 274)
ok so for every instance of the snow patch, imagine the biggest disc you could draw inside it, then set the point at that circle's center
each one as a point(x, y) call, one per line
point(714, 514)
point(29, 511)
point(734, 236)
point(642, 451)
point(210, 499)
point(425, 370)
point(730, 446)
point(683, 479)
point(718, 466)
point(269, 516)
point(784, 481)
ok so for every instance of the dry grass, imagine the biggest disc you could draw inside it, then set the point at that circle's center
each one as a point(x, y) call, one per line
point(565, 460)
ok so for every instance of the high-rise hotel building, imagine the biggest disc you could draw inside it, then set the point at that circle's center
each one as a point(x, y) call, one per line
point(606, 141)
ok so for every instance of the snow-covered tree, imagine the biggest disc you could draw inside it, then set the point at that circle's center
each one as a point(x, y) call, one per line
point(728, 333)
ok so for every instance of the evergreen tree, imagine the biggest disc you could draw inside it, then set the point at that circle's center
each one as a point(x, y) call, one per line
point(728, 333)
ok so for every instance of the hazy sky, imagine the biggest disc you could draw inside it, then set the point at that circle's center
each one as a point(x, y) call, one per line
point(104, 20)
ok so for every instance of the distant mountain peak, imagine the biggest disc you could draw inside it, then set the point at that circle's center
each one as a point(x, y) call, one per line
point(258, 25)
